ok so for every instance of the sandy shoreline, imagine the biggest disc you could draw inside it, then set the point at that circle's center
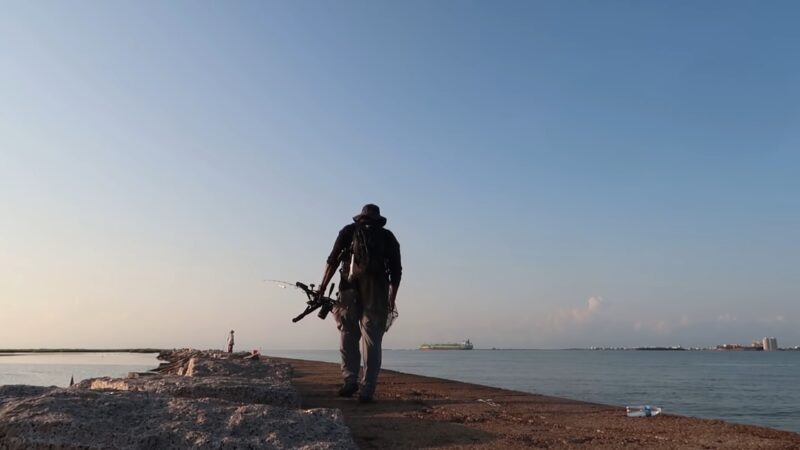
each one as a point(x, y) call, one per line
point(414, 411)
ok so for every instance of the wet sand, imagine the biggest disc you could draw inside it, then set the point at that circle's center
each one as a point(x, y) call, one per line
point(413, 411)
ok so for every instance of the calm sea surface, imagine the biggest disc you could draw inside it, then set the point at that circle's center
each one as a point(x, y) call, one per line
point(758, 388)
point(55, 369)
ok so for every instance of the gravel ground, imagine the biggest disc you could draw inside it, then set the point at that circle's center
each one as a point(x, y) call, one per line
point(420, 412)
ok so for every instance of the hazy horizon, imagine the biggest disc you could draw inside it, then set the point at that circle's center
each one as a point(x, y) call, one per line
point(558, 175)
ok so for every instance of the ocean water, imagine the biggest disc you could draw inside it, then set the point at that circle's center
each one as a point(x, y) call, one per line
point(55, 369)
point(756, 388)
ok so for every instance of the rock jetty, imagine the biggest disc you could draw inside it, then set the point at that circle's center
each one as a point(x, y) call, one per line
point(196, 399)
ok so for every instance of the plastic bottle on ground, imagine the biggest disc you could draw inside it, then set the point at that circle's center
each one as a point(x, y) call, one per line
point(643, 411)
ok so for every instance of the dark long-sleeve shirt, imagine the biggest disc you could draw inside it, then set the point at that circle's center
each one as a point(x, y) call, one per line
point(341, 252)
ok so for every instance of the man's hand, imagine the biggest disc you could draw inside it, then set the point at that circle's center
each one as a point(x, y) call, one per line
point(327, 274)
point(392, 297)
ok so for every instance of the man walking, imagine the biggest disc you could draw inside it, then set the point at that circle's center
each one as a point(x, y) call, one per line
point(370, 276)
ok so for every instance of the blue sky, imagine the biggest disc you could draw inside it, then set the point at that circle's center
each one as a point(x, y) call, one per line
point(558, 174)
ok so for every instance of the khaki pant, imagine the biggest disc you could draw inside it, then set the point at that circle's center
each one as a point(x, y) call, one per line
point(361, 317)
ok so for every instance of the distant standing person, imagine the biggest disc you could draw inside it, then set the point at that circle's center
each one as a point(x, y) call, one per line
point(230, 342)
point(370, 276)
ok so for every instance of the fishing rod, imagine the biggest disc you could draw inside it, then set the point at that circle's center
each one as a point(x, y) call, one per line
point(316, 299)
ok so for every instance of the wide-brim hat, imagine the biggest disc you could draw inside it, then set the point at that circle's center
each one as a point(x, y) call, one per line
point(371, 213)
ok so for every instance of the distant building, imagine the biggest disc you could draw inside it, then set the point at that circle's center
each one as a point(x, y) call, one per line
point(739, 347)
point(769, 344)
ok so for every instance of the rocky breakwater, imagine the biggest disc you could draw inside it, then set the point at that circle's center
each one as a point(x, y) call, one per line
point(195, 400)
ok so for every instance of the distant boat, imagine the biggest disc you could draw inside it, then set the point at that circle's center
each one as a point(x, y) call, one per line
point(465, 345)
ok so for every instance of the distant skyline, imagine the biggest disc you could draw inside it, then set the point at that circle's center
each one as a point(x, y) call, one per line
point(558, 175)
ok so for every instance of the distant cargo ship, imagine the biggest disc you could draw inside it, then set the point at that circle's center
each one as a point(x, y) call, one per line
point(466, 345)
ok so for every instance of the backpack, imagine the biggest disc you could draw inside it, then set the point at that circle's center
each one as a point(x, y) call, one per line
point(366, 251)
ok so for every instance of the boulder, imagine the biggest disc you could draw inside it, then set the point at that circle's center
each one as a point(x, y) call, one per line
point(195, 400)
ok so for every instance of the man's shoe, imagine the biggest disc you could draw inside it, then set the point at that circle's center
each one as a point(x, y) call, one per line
point(365, 399)
point(348, 389)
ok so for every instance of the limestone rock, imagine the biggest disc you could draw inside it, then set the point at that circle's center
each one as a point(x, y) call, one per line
point(198, 400)
point(234, 389)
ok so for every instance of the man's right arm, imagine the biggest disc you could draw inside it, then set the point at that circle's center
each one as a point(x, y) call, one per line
point(395, 268)
point(327, 274)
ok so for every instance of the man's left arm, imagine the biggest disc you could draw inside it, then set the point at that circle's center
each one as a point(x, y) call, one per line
point(395, 268)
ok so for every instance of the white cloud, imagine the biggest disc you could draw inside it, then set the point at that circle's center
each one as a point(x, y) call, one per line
point(655, 326)
point(773, 319)
point(577, 315)
point(661, 326)
point(726, 318)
